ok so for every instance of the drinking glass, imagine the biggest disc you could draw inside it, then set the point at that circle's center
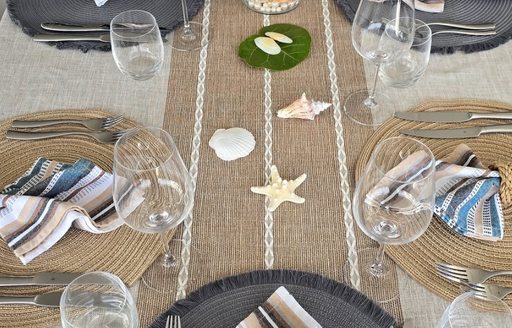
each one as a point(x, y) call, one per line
point(380, 31)
point(410, 65)
point(188, 37)
point(97, 300)
point(137, 45)
point(152, 187)
point(469, 311)
point(393, 204)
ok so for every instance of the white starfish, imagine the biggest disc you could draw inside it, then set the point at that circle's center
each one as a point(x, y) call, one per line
point(280, 190)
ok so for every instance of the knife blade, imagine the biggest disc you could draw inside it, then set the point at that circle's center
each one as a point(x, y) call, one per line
point(59, 27)
point(103, 37)
point(47, 299)
point(472, 132)
point(43, 278)
point(450, 116)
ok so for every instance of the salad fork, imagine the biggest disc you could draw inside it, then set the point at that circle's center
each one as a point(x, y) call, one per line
point(467, 275)
point(490, 291)
point(95, 124)
point(173, 321)
point(103, 137)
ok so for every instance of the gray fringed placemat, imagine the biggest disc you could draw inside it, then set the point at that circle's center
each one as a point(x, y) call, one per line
point(498, 12)
point(30, 14)
point(226, 302)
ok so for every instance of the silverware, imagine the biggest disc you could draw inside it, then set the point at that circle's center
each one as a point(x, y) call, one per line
point(450, 117)
point(102, 37)
point(43, 278)
point(103, 137)
point(173, 321)
point(58, 27)
point(465, 32)
point(95, 124)
point(490, 291)
point(465, 26)
point(48, 299)
point(467, 275)
point(472, 132)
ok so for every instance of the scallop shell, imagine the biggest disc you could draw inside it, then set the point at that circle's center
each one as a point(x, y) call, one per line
point(267, 45)
point(303, 108)
point(232, 143)
point(279, 37)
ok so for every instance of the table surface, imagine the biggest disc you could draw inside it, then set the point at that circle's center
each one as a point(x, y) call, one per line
point(37, 77)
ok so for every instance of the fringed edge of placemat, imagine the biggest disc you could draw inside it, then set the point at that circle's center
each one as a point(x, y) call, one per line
point(285, 277)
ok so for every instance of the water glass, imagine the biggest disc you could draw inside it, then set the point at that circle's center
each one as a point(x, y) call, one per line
point(410, 65)
point(469, 311)
point(98, 299)
point(137, 45)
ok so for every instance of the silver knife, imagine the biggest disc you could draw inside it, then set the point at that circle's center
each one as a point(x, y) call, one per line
point(103, 37)
point(472, 132)
point(450, 117)
point(44, 278)
point(58, 27)
point(48, 299)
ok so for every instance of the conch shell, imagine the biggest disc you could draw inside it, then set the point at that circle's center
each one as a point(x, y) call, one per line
point(303, 108)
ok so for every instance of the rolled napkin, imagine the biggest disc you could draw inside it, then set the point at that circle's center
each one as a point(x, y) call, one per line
point(430, 6)
point(280, 310)
point(41, 206)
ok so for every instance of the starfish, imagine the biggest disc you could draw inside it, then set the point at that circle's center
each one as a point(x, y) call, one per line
point(279, 190)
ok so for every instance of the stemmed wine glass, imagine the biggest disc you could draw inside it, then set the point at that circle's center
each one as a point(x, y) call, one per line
point(380, 30)
point(152, 188)
point(189, 36)
point(393, 204)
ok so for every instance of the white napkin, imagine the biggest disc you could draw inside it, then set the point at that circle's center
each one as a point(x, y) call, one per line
point(100, 3)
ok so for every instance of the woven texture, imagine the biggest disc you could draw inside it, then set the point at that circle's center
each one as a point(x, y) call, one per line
point(439, 244)
point(226, 302)
point(30, 14)
point(78, 251)
point(230, 230)
point(460, 11)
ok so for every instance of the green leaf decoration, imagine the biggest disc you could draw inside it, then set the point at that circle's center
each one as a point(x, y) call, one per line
point(290, 55)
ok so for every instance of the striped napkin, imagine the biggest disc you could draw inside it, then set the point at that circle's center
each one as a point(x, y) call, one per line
point(467, 197)
point(41, 206)
point(280, 310)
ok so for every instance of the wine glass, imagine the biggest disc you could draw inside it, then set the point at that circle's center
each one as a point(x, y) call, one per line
point(393, 204)
point(188, 37)
point(98, 300)
point(410, 65)
point(152, 188)
point(137, 45)
point(380, 31)
point(470, 311)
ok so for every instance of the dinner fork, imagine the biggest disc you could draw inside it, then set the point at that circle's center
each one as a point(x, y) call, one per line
point(490, 291)
point(173, 321)
point(95, 124)
point(103, 137)
point(467, 275)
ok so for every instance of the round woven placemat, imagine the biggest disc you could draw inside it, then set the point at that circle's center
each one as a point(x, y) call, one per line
point(226, 302)
point(439, 243)
point(460, 11)
point(124, 252)
point(30, 14)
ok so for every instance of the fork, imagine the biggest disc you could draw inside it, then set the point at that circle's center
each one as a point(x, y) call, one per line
point(466, 32)
point(465, 26)
point(95, 124)
point(490, 291)
point(103, 137)
point(173, 321)
point(464, 275)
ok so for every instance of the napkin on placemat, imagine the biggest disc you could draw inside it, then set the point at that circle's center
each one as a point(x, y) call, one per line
point(430, 6)
point(467, 197)
point(280, 310)
point(40, 207)
point(100, 3)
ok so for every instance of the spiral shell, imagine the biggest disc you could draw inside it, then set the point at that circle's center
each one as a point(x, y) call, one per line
point(303, 108)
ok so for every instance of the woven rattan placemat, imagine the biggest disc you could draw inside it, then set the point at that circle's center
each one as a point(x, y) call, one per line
point(439, 244)
point(124, 252)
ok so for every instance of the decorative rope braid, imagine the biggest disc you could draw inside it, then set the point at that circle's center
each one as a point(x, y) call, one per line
point(505, 170)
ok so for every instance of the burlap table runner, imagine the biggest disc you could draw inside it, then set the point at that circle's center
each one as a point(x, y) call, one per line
point(230, 230)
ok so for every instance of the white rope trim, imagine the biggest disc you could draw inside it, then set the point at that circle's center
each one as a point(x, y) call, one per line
point(269, 217)
point(342, 156)
point(194, 157)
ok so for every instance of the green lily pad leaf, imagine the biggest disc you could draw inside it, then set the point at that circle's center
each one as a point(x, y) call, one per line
point(290, 55)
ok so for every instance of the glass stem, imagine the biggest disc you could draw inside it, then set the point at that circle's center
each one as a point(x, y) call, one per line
point(185, 14)
point(168, 259)
point(374, 87)
point(377, 269)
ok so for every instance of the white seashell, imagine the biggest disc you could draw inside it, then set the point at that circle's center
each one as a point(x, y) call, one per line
point(232, 143)
point(267, 45)
point(303, 108)
point(279, 37)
